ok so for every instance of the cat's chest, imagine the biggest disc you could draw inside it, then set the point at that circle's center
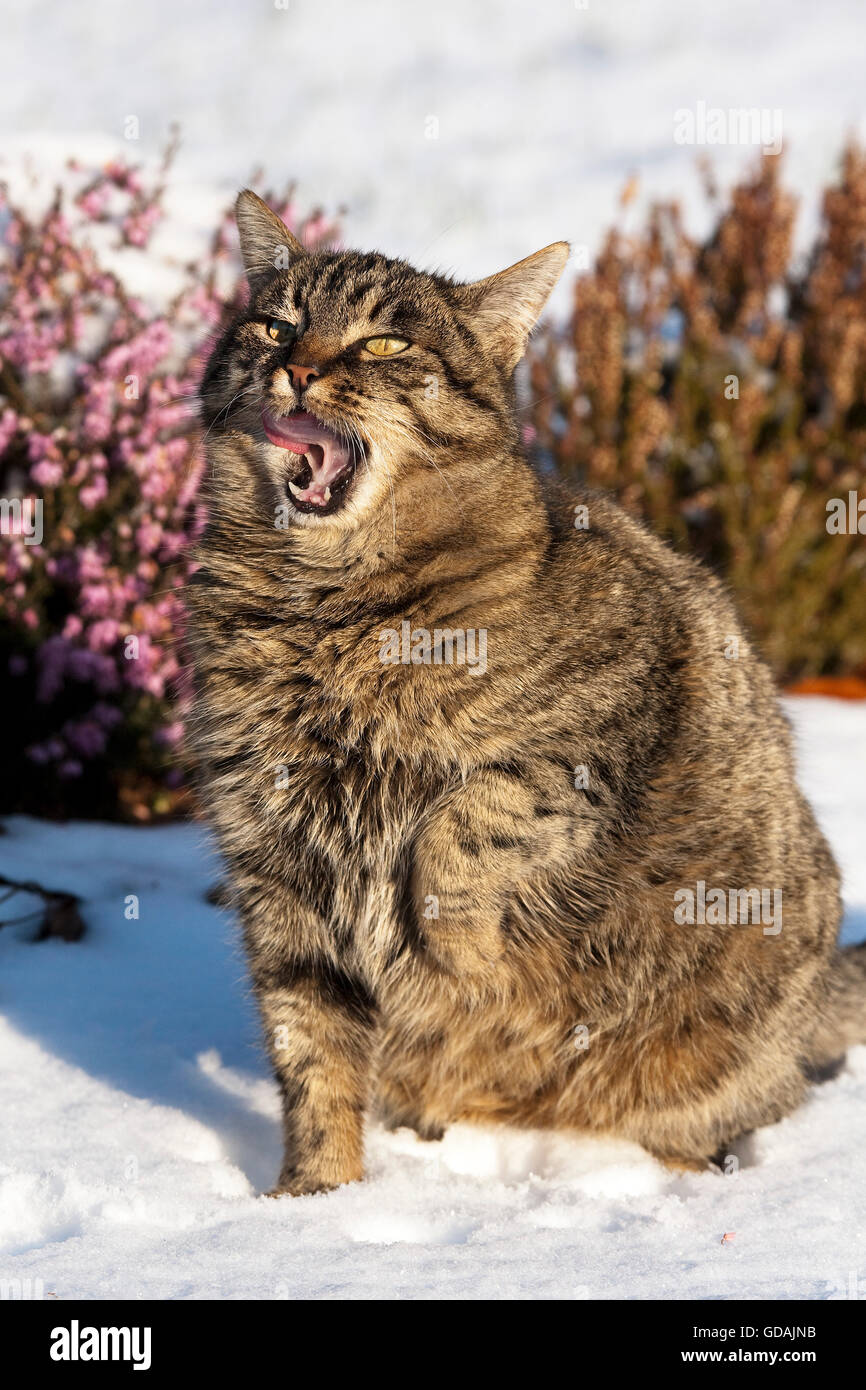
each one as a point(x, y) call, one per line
point(348, 718)
point(353, 808)
point(325, 754)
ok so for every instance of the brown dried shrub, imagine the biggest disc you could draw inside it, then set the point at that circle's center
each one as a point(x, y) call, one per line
point(718, 389)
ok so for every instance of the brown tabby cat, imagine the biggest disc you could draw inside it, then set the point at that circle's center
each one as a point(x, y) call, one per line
point(506, 795)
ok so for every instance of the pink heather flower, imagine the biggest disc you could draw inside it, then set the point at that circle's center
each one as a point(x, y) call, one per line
point(81, 471)
point(95, 492)
point(156, 486)
point(102, 634)
point(8, 429)
point(41, 446)
point(138, 227)
point(97, 424)
point(148, 537)
point(173, 543)
point(127, 469)
point(94, 202)
point(46, 473)
point(96, 600)
point(315, 230)
point(176, 450)
point(90, 563)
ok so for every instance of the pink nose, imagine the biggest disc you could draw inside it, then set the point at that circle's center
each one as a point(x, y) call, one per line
point(300, 377)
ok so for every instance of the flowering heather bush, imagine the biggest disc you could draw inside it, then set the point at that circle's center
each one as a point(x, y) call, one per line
point(720, 391)
point(716, 388)
point(97, 421)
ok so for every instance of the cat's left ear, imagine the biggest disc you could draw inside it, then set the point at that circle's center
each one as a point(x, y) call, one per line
point(267, 245)
point(505, 307)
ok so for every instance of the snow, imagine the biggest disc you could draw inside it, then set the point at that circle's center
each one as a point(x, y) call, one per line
point(139, 1124)
point(462, 137)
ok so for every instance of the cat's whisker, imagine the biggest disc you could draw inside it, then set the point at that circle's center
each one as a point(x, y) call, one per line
point(530, 405)
point(225, 413)
point(393, 509)
point(176, 400)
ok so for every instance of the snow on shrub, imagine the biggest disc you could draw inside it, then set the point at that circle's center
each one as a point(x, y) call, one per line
point(100, 464)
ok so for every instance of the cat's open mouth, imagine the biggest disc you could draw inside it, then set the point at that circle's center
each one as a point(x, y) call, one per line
point(322, 462)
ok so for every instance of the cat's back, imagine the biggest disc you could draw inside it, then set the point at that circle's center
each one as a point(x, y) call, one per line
point(639, 616)
point(653, 677)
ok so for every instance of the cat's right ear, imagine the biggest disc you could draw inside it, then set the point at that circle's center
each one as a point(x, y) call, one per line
point(267, 245)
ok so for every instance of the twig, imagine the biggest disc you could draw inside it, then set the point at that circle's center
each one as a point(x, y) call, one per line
point(61, 917)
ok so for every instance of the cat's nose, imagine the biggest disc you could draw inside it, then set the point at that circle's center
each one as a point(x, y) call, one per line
point(300, 377)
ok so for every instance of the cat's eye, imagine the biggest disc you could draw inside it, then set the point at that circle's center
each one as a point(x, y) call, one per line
point(281, 330)
point(385, 347)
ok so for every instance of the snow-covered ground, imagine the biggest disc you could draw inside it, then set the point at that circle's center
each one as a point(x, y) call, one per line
point(138, 1123)
point(137, 1119)
point(461, 135)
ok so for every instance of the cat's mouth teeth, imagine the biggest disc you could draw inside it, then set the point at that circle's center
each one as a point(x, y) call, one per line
point(310, 492)
point(323, 461)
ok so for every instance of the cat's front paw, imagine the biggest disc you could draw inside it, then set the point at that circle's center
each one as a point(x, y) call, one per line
point(292, 1183)
point(301, 1188)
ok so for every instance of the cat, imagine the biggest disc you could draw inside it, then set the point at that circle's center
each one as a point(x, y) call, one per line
point(506, 894)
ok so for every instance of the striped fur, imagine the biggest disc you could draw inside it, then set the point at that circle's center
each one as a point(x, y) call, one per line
point(457, 888)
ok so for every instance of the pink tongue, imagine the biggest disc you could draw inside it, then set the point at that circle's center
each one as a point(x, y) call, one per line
point(327, 455)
